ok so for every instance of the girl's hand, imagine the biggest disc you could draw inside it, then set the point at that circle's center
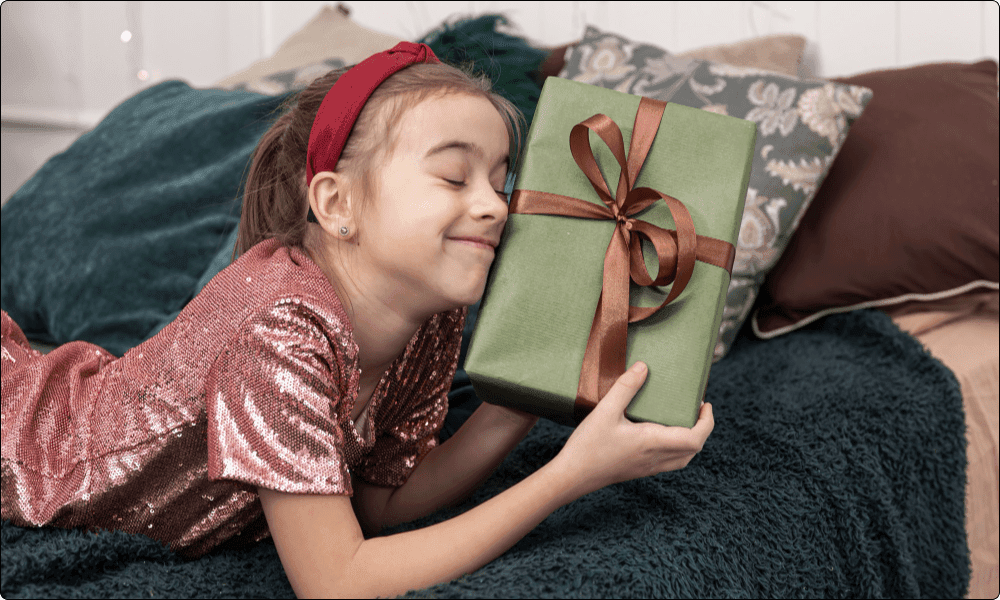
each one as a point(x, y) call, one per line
point(607, 448)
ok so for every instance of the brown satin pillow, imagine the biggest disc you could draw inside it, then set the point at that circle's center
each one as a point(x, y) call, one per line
point(554, 62)
point(909, 210)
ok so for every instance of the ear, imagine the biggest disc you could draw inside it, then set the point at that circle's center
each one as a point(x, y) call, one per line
point(331, 202)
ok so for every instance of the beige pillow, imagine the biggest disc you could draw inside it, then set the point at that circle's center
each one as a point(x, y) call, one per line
point(331, 34)
point(777, 53)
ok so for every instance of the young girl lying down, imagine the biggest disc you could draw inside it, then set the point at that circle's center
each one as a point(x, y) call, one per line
point(301, 393)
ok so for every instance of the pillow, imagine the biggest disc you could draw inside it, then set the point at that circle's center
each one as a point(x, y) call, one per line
point(778, 53)
point(329, 41)
point(801, 127)
point(295, 79)
point(909, 212)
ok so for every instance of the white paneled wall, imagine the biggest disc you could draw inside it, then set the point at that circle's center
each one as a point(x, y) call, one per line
point(65, 64)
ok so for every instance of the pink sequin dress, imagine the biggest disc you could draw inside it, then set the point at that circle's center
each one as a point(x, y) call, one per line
point(252, 385)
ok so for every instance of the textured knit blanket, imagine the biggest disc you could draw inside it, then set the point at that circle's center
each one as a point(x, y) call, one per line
point(836, 469)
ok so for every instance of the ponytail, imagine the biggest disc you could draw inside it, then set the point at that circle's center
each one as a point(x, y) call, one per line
point(275, 203)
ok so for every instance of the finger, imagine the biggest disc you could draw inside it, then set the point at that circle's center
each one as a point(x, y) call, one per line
point(625, 388)
point(678, 437)
point(705, 424)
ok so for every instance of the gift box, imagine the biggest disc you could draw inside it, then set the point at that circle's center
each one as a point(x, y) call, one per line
point(553, 331)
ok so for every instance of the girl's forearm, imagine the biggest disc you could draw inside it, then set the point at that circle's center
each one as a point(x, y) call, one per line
point(392, 565)
point(452, 471)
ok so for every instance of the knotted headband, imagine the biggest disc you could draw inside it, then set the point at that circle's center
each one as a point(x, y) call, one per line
point(677, 251)
point(343, 103)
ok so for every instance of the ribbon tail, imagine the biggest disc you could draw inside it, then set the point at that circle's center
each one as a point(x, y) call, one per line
point(614, 314)
point(604, 357)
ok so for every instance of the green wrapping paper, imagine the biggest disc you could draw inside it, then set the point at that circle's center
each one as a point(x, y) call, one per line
point(536, 314)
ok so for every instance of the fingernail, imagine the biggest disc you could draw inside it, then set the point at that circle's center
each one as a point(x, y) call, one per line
point(639, 367)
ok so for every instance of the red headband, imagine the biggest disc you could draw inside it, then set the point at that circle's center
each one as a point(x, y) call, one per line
point(344, 101)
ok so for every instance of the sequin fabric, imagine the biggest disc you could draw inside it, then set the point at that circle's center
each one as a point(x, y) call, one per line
point(252, 385)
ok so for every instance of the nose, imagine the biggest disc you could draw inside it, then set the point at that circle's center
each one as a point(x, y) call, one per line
point(487, 205)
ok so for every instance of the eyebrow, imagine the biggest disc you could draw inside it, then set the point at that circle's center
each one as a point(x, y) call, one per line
point(468, 147)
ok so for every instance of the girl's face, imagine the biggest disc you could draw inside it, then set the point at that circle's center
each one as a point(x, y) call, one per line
point(432, 231)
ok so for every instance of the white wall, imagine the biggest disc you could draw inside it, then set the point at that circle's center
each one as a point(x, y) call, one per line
point(65, 64)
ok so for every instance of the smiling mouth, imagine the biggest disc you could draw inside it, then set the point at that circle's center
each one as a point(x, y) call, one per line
point(483, 243)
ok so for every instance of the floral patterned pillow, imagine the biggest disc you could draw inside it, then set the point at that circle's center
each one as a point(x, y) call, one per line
point(801, 125)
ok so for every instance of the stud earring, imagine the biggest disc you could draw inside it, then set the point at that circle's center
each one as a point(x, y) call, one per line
point(344, 230)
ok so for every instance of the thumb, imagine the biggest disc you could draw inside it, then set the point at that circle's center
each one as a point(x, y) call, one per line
point(622, 392)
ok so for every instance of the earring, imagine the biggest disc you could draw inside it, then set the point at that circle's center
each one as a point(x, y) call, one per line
point(344, 230)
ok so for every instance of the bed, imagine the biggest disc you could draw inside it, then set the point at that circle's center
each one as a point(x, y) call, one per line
point(855, 452)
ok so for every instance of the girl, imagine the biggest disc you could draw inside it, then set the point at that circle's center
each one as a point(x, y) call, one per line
point(301, 393)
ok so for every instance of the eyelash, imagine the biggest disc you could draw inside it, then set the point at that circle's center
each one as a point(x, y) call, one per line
point(461, 184)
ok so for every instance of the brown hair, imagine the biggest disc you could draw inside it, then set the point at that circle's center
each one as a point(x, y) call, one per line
point(275, 203)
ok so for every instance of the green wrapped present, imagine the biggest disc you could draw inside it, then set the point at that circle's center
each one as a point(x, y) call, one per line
point(561, 317)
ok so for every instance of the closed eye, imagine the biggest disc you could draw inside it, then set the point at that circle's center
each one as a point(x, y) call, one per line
point(461, 184)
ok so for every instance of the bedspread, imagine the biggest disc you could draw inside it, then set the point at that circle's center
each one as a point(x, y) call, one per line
point(836, 468)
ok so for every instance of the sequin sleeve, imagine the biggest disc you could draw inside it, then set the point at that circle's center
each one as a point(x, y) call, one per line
point(418, 394)
point(273, 398)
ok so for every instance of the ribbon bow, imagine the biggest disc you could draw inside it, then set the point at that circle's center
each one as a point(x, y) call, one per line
point(604, 357)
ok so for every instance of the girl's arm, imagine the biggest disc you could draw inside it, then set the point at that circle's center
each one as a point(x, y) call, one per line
point(325, 554)
point(448, 473)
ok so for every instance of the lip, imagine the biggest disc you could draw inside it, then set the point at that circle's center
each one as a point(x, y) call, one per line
point(479, 242)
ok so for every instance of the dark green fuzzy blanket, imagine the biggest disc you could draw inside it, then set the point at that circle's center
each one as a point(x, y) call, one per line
point(836, 469)
point(108, 240)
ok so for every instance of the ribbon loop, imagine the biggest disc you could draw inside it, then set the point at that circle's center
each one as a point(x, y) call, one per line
point(676, 251)
point(579, 145)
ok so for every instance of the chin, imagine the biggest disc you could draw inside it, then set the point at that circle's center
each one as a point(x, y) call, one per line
point(467, 296)
point(469, 299)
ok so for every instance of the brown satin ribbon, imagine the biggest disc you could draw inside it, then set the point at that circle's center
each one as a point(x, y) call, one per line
point(604, 357)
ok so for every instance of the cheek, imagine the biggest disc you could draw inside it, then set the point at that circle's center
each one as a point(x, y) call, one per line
point(416, 222)
point(405, 233)
point(419, 213)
